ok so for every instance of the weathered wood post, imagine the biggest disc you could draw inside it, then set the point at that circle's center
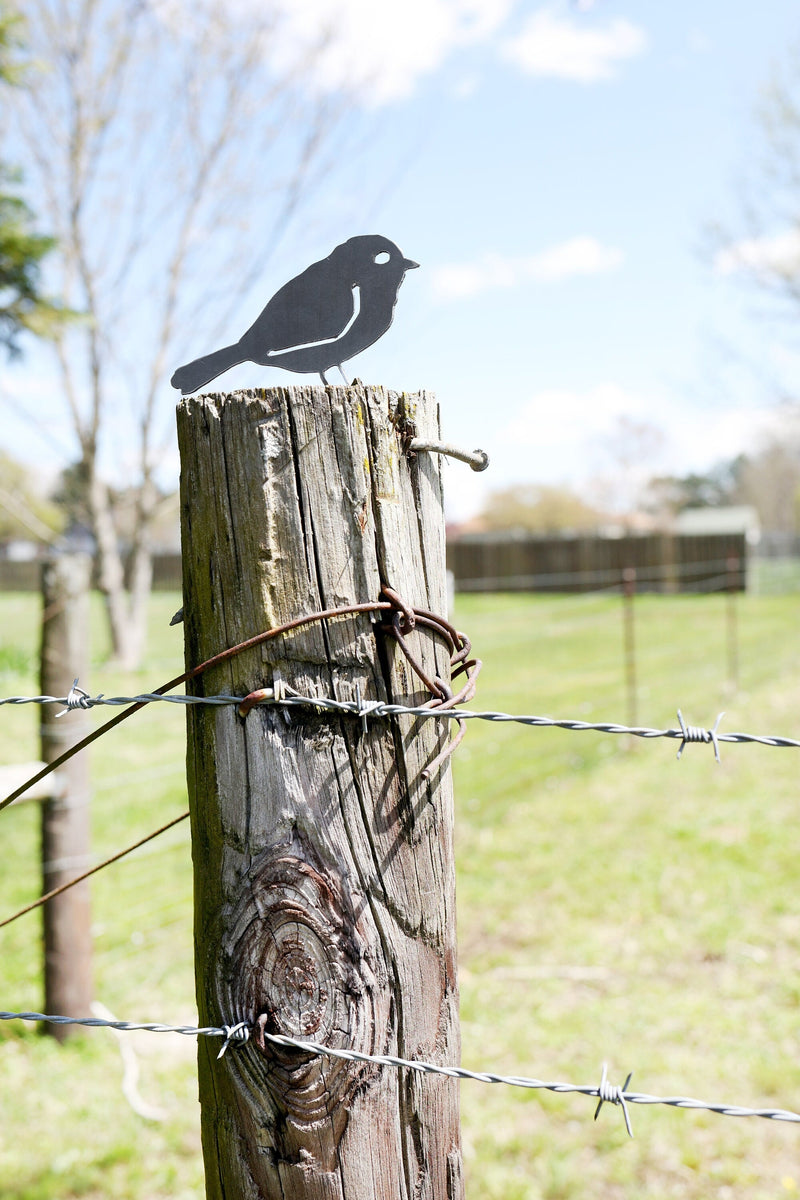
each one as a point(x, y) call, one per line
point(733, 583)
point(65, 816)
point(323, 863)
point(629, 644)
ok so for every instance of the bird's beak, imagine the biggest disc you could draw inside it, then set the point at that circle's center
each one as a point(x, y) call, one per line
point(409, 264)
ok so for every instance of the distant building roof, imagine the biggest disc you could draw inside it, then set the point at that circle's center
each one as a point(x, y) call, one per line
point(733, 518)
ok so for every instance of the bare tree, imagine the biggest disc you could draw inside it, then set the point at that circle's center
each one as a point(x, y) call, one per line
point(770, 476)
point(632, 449)
point(762, 253)
point(762, 248)
point(168, 145)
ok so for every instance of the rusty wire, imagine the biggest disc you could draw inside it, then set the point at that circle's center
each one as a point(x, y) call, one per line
point(393, 601)
point(404, 619)
point(92, 871)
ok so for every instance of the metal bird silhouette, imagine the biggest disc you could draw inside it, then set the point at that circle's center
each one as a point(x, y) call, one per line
point(318, 320)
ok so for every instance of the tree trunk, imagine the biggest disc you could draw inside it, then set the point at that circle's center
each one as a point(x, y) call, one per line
point(140, 587)
point(324, 876)
point(65, 817)
point(110, 572)
point(127, 612)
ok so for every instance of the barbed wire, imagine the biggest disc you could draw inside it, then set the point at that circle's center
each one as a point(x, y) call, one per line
point(240, 1033)
point(363, 709)
point(402, 619)
point(78, 699)
point(237, 1033)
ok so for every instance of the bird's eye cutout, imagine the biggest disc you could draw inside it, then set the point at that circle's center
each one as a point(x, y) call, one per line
point(382, 258)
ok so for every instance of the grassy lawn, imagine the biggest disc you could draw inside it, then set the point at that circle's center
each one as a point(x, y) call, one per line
point(615, 905)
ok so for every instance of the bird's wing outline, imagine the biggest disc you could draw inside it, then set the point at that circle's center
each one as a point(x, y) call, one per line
point(314, 307)
point(325, 341)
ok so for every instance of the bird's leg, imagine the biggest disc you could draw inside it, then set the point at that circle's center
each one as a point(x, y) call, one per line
point(324, 380)
point(344, 377)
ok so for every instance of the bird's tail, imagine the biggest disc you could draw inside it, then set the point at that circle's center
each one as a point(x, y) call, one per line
point(202, 370)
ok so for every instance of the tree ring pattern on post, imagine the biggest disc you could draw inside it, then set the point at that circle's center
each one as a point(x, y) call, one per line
point(298, 955)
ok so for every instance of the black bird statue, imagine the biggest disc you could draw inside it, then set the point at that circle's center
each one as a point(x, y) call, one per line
point(325, 316)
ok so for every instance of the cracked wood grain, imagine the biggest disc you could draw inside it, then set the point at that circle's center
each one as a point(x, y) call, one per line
point(324, 876)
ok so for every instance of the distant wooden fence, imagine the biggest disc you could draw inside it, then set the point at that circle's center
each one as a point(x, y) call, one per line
point(663, 562)
point(504, 563)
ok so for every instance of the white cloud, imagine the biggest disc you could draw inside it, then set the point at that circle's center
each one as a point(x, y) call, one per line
point(381, 50)
point(776, 254)
point(563, 435)
point(577, 256)
point(560, 418)
point(563, 48)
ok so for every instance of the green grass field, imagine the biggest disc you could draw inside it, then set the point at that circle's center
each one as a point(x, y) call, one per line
point(615, 905)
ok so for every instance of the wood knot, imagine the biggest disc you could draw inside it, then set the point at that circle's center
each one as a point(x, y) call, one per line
point(299, 960)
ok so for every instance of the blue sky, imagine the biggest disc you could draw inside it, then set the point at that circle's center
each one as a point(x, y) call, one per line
point(553, 168)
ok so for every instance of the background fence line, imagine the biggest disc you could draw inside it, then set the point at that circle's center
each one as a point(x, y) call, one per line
point(663, 562)
point(572, 563)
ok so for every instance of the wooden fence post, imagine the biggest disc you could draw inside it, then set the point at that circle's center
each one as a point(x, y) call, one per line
point(733, 584)
point(324, 876)
point(629, 644)
point(65, 816)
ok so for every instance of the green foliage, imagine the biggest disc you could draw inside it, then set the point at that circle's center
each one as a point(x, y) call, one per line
point(70, 494)
point(539, 509)
point(14, 660)
point(719, 486)
point(11, 41)
point(22, 303)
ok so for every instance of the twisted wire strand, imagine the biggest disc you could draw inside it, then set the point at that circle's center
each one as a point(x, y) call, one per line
point(606, 1092)
point(363, 709)
point(78, 698)
point(71, 703)
point(233, 1034)
point(240, 1033)
point(379, 708)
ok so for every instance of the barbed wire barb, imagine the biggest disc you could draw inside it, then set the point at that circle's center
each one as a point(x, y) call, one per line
point(614, 1095)
point(78, 698)
point(695, 733)
point(235, 1034)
